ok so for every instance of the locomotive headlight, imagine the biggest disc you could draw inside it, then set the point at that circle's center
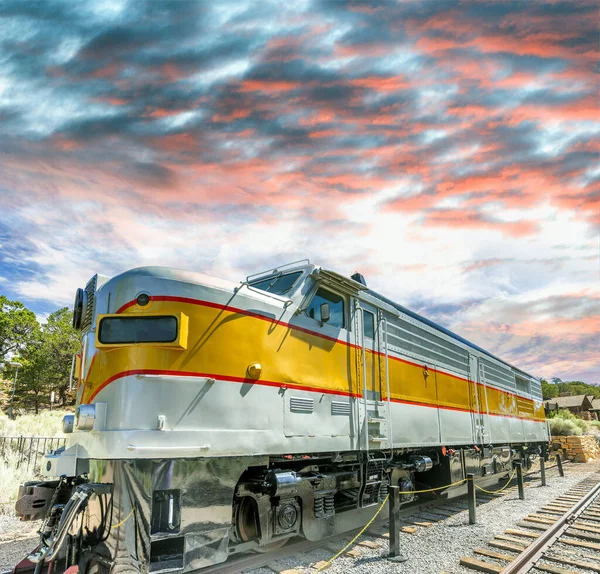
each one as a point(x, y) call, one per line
point(80, 308)
point(84, 417)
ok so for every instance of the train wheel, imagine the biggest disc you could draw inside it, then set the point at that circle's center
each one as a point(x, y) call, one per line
point(247, 525)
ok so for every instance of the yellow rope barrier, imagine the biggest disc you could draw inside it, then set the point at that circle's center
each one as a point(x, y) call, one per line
point(510, 478)
point(432, 489)
point(125, 520)
point(323, 566)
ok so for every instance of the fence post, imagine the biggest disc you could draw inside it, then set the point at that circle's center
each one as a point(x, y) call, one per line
point(394, 508)
point(471, 498)
point(561, 472)
point(520, 480)
point(543, 470)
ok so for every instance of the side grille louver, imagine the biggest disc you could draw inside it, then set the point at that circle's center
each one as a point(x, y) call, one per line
point(301, 405)
point(339, 408)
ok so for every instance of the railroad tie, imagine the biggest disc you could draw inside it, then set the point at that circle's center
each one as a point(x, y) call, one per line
point(580, 543)
point(583, 535)
point(532, 525)
point(539, 520)
point(554, 569)
point(580, 554)
point(572, 562)
point(560, 509)
point(521, 533)
point(480, 565)
point(547, 519)
point(585, 528)
point(512, 540)
point(551, 511)
point(492, 554)
point(506, 545)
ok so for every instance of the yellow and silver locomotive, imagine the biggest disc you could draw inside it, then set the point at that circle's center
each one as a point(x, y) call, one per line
point(215, 417)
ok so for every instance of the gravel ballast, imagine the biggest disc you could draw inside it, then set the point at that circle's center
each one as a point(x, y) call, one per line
point(16, 539)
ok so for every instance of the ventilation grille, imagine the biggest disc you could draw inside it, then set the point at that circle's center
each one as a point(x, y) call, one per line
point(536, 390)
point(90, 291)
point(338, 408)
point(411, 338)
point(301, 405)
point(495, 374)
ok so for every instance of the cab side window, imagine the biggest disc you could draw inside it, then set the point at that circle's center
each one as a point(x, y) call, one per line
point(369, 326)
point(336, 308)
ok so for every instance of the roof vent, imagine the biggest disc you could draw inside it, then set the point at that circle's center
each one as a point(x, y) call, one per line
point(359, 278)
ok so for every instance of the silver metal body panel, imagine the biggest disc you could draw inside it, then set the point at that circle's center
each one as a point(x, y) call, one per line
point(200, 419)
point(223, 417)
point(207, 490)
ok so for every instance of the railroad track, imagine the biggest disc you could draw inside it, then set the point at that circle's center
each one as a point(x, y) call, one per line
point(562, 535)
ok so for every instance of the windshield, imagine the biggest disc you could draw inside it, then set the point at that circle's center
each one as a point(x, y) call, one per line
point(278, 284)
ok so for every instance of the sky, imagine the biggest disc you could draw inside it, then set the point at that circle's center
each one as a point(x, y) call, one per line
point(448, 151)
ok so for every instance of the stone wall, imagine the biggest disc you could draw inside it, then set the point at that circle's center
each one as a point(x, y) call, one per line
point(576, 448)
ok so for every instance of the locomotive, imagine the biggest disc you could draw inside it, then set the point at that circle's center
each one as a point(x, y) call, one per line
point(215, 417)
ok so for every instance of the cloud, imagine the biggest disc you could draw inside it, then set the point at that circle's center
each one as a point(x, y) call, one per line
point(447, 151)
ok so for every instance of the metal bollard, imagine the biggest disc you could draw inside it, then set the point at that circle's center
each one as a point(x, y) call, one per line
point(520, 480)
point(471, 498)
point(543, 469)
point(561, 472)
point(394, 507)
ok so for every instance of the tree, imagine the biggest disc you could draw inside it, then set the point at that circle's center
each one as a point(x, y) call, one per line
point(18, 327)
point(60, 343)
point(47, 362)
point(549, 390)
point(32, 386)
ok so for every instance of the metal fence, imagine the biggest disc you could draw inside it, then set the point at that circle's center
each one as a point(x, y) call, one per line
point(28, 450)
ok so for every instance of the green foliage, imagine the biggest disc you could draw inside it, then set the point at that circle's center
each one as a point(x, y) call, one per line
point(59, 343)
point(558, 388)
point(18, 327)
point(573, 388)
point(47, 423)
point(46, 360)
point(564, 427)
point(566, 414)
point(11, 476)
point(564, 422)
point(549, 390)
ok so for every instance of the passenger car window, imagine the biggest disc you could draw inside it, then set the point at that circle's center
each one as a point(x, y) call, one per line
point(278, 284)
point(369, 326)
point(336, 308)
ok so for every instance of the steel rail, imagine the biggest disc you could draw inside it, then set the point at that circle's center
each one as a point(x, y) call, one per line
point(526, 560)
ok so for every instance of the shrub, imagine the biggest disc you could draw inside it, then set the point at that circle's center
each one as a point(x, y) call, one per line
point(595, 427)
point(564, 427)
point(563, 416)
point(10, 479)
point(46, 423)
